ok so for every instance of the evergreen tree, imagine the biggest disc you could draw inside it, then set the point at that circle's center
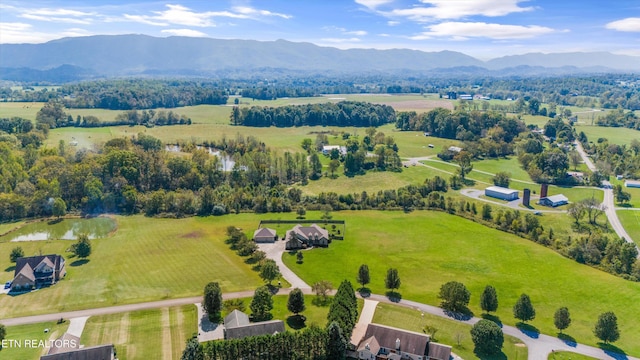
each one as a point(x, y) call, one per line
point(336, 342)
point(344, 308)
point(193, 350)
point(392, 281)
point(489, 299)
point(82, 248)
point(523, 310)
point(16, 253)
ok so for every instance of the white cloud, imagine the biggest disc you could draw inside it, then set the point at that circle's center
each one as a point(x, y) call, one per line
point(356, 33)
point(55, 15)
point(180, 15)
point(457, 9)
point(251, 12)
point(184, 32)
point(465, 30)
point(372, 4)
point(344, 31)
point(340, 40)
point(631, 24)
point(393, 23)
point(56, 19)
point(143, 19)
point(19, 33)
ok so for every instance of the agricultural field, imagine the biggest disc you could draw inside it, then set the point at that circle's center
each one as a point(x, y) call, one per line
point(450, 332)
point(145, 259)
point(146, 334)
point(456, 249)
point(630, 219)
point(31, 332)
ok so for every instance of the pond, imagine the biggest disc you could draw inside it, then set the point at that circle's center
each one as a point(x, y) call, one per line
point(67, 229)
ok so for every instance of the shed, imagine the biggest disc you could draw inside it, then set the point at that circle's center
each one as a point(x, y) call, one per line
point(501, 193)
point(632, 183)
point(554, 200)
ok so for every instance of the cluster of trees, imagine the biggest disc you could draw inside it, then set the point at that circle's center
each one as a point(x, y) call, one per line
point(344, 309)
point(620, 118)
point(344, 113)
point(462, 125)
point(128, 94)
point(614, 159)
point(238, 241)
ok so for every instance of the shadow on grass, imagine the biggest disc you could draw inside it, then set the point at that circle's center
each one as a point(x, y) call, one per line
point(464, 315)
point(320, 301)
point(296, 322)
point(493, 318)
point(365, 292)
point(394, 296)
point(613, 351)
point(568, 340)
point(529, 330)
point(273, 288)
point(10, 268)
point(79, 262)
point(54, 221)
point(500, 356)
point(468, 182)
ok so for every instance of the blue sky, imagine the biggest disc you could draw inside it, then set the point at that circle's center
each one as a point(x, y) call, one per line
point(481, 28)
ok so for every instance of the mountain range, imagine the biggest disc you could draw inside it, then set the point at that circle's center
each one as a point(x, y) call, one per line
point(101, 56)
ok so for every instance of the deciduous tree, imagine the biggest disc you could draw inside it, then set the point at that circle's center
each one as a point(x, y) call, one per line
point(212, 302)
point(607, 327)
point(363, 275)
point(487, 337)
point(261, 304)
point(269, 270)
point(489, 299)
point(523, 309)
point(562, 319)
point(295, 303)
point(454, 296)
point(82, 248)
point(392, 281)
point(16, 253)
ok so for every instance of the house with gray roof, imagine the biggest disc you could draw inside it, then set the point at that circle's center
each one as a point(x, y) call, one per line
point(37, 271)
point(265, 235)
point(385, 342)
point(554, 200)
point(306, 236)
point(238, 326)
point(101, 352)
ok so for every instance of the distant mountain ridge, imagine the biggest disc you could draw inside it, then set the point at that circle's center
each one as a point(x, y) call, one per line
point(127, 55)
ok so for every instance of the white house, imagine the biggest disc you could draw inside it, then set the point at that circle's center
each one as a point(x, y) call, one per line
point(554, 200)
point(326, 149)
point(501, 193)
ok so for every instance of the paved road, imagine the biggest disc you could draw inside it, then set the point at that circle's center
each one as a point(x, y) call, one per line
point(609, 201)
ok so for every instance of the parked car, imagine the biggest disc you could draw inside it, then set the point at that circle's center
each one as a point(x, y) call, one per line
point(7, 284)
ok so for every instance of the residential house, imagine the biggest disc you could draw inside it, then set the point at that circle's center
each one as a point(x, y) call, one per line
point(385, 342)
point(306, 236)
point(238, 326)
point(101, 352)
point(37, 271)
point(326, 149)
point(632, 184)
point(265, 235)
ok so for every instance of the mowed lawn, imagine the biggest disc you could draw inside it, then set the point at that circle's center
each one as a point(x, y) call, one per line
point(566, 355)
point(431, 248)
point(630, 219)
point(448, 331)
point(147, 334)
point(31, 333)
point(146, 259)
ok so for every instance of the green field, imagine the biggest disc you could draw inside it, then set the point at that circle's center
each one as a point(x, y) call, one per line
point(565, 355)
point(146, 259)
point(630, 219)
point(410, 319)
point(31, 332)
point(147, 334)
point(431, 248)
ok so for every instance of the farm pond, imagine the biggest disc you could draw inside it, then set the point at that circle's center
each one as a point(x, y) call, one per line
point(66, 229)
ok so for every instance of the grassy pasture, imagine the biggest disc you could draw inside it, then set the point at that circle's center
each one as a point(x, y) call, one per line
point(630, 219)
point(147, 334)
point(31, 332)
point(431, 248)
point(146, 259)
point(410, 319)
point(566, 355)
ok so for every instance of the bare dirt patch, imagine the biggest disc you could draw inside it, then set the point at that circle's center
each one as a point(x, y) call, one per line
point(192, 235)
point(418, 104)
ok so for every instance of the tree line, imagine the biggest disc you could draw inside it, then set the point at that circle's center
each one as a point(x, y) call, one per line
point(344, 113)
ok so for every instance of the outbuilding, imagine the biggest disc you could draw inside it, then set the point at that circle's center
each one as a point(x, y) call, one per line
point(265, 235)
point(501, 193)
point(554, 200)
point(632, 184)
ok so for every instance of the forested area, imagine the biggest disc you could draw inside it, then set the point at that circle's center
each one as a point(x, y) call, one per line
point(344, 113)
point(620, 118)
point(608, 91)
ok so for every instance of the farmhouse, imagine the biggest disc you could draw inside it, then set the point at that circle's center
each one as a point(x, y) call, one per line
point(455, 149)
point(101, 352)
point(554, 200)
point(632, 184)
point(37, 271)
point(305, 236)
point(326, 149)
point(265, 235)
point(501, 193)
point(385, 342)
point(237, 326)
